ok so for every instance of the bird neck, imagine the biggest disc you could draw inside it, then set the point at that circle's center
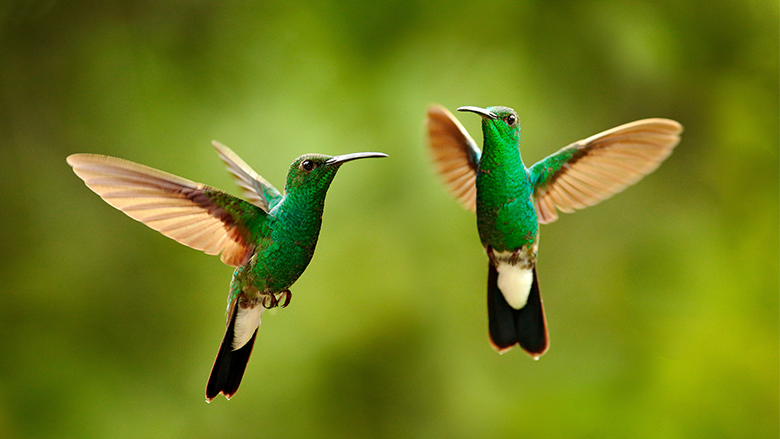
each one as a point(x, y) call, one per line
point(501, 160)
point(506, 218)
point(300, 210)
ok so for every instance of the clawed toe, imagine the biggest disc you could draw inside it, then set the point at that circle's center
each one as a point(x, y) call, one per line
point(269, 301)
point(280, 299)
point(287, 295)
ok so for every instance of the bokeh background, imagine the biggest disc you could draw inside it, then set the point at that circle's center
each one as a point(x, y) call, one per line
point(662, 302)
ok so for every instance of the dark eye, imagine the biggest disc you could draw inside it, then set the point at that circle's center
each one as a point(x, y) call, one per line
point(307, 165)
point(511, 119)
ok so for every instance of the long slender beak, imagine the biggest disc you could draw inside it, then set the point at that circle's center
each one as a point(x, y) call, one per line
point(354, 156)
point(481, 111)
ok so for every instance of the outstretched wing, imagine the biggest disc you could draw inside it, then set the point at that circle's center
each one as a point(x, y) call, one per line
point(455, 154)
point(254, 187)
point(594, 169)
point(193, 214)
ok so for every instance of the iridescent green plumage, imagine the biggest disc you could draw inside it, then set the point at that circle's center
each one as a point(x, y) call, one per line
point(505, 213)
point(511, 200)
point(270, 238)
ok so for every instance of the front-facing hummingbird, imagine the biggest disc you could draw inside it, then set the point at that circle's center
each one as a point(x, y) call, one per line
point(270, 239)
point(511, 200)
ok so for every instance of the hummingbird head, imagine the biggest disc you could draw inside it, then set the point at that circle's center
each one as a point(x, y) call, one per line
point(314, 172)
point(500, 125)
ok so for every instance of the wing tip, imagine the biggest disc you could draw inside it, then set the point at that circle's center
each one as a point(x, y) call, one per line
point(675, 125)
point(83, 158)
point(73, 159)
point(435, 108)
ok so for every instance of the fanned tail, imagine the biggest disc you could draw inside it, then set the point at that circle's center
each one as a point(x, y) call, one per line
point(526, 326)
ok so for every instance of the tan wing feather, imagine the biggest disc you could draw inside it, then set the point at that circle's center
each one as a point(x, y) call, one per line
point(605, 164)
point(174, 206)
point(246, 178)
point(453, 152)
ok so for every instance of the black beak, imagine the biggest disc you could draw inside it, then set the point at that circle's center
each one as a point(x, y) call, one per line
point(481, 111)
point(339, 159)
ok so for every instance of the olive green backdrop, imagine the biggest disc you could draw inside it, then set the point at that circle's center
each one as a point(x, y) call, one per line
point(662, 302)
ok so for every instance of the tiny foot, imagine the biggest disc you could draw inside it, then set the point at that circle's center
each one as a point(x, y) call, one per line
point(287, 296)
point(269, 301)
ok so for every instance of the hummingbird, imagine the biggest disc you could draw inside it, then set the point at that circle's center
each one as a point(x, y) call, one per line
point(269, 237)
point(510, 200)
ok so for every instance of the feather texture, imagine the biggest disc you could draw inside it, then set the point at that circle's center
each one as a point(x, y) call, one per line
point(455, 154)
point(591, 170)
point(191, 213)
point(230, 364)
point(247, 321)
point(255, 188)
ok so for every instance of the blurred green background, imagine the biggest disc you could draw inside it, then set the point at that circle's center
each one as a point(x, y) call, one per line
point(662, 302)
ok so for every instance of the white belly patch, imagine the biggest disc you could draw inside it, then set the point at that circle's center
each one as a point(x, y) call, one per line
point(514, 281)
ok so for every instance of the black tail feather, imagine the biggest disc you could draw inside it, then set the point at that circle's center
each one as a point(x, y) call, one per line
point(230, 364)
point(508, 326)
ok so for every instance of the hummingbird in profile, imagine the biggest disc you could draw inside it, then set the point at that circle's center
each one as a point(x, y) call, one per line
point(511, 200)
point(269, 237)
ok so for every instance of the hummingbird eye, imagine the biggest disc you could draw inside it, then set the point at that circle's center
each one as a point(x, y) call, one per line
point(511, 119)
point(307, 165)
